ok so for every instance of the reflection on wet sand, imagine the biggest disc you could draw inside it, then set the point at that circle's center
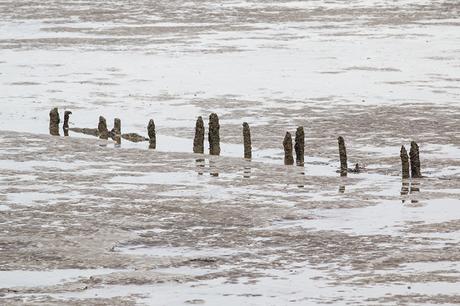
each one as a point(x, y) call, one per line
point(247, 172)
point(301, 175)
point(213, 169)
point(199, 165)
point(414, 188)
point(117, 139)
point(405, 187)
point(408, 189)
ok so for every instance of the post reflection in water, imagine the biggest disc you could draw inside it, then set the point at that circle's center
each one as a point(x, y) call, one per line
point(117, 139)
point(409, 188)
point(342, 189)
point(405, 187)
point(247, 169)
point(200, 163)
point(414, 188)
point(212, 169)
point(301, 176)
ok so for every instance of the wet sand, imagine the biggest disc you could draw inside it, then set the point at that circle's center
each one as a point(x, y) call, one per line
point(83, 221)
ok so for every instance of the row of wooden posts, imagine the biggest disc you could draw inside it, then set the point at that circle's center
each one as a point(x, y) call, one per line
point(410, 162)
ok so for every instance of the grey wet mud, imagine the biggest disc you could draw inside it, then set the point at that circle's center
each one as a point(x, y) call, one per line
point(134, 244)
point(152, 229)
point(214, 134)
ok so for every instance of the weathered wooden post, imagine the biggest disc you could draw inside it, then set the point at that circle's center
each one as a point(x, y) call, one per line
point(198, 141)
point(213, 135)
point(152, 134)
point(247, 141)
point(65, 126)
point(343, 157)
point(116, 131)
point(54, 122)
point(116, 126)
point(299, 146)
point(102, 128)
point(404, 163)
point(415, 160)
point(287, 144)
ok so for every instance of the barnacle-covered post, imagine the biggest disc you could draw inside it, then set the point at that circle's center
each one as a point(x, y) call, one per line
point(213, 135)
point(102, 128)
point(247, 141)
point(299, 146)
point(404, 163)
point(287, 144)
point(198, 141)
point(54, 122)
point(415, 160)
point(65, 127)
point(343, 157)
point(152, 134)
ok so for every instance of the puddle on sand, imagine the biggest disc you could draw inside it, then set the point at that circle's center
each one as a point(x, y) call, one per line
point(175, 251)
point(23, 278)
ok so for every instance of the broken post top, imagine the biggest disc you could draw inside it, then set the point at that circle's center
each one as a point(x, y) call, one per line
point(198, 141)
point(213, 134)
point(403, 153)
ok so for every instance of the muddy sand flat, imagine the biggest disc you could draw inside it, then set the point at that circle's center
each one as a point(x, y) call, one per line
point(83, 221)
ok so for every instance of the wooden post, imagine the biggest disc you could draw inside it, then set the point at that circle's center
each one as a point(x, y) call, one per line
point(102, 128)
point(343, 157)
point(54, 122)
point(247, 141)
point(116, 126)
point(198, 141)
point(152, 135)
point(213, 135)
point(415, 160)
point(300, 146)
point(65, 127)
point(287, 144)
point(404, 163)
point(116, 131)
